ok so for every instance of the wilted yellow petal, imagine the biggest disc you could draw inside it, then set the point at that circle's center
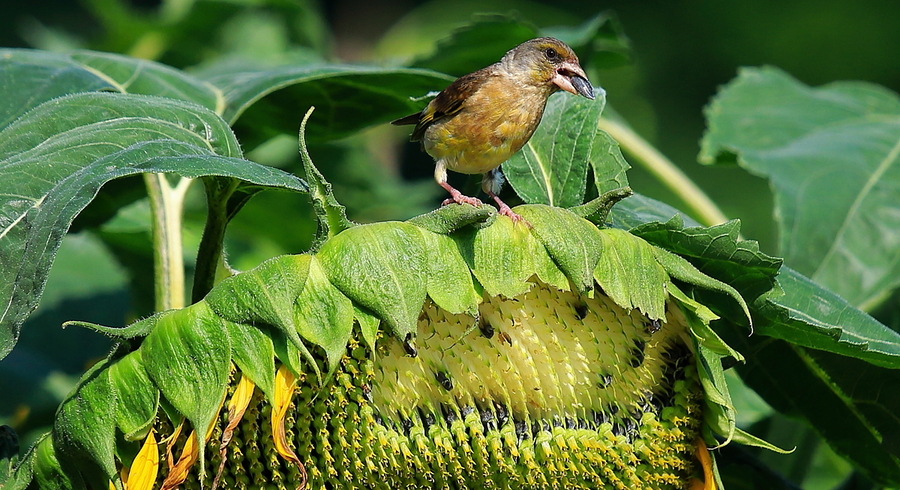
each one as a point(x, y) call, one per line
point(285, 382)
point(170, 441)
point(709, 480)
point(237, 406)
point(143, 471)
point(243, 393)
point(178, 473)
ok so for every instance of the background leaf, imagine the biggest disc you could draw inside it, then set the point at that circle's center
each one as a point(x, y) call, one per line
point(832, 155)
point(56, 158)
point(264, 102)
point(30, 77)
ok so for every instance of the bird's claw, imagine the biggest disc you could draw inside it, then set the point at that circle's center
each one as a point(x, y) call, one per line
point(460, 199)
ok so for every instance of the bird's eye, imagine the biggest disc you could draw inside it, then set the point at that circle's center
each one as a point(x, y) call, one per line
point(551, 54)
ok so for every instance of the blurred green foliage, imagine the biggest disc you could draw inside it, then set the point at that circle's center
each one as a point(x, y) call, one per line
point(680, 52)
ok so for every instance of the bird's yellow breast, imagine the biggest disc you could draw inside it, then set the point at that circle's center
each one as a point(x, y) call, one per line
point(495, 122)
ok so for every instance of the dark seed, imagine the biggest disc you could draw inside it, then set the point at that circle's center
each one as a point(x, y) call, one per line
point(605, 380)
point(652, 326)
point(522, 430)
point(487, 420)
point(581, 311)
point(502, 414)
point(449, 413)
point(637, 354)
point(427, 419)
point(409, 346)
point(466, 410)
point(406, 423)
point(486, 328)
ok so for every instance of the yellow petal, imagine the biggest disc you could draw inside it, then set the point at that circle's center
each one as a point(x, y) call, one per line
point(145, 467)
point(285, 382)
point(178, 473)
point(243, 393)
point(709, 480)
point(237, 406)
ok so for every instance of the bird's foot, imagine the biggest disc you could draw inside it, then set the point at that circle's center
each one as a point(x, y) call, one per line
point(461, 199)
point(458, 197)
point(505, 210)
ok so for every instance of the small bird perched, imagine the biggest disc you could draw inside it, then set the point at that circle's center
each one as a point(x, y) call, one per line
point(483, 118)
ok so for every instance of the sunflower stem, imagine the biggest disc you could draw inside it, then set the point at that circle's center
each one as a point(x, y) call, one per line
point(665, 171)
point(166, 206)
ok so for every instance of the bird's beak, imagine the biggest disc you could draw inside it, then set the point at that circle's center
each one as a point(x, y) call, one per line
point(571, 78)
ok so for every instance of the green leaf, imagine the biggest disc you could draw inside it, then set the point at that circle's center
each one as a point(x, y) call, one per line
point(860, 421)
point(331, 216)
point(84, 429)
point(447, 219)
point(804, 313)
point(261, 103)
point(188, 356)
point(832, 155)
point(138, 398)
point(599, 41)
point(630, 275)
point(552, 167)
point(30, 77)
point(717, 251)
point(449, 280)
point(608, 164)
point(323, 315)
point(58, 156)
point(572, 242)
point(48, 472)
point(15, 473)
point(266, 294)
point(382, 267)
point(504, 256)
point(639, 209)
point(679, 268)
point(477, 44)
point(254, 354)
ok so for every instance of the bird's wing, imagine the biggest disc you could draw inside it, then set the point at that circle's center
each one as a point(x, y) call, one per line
point(447, 103)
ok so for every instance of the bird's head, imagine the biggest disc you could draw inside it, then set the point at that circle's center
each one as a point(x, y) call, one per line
point(551, 62)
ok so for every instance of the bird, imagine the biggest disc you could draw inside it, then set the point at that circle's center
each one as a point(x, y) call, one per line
point(481, 119)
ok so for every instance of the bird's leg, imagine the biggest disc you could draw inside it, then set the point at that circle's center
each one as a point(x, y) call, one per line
point(440, 175)
point(491, 184)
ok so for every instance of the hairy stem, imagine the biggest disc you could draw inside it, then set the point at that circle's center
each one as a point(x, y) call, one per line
point(166, 205)
point(665, 171)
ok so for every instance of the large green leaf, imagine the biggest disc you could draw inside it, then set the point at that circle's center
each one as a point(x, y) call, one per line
point(850, 403)
point(261, 103)
point(833, 156)
point(30, 77)
point(794, 309)
point(552, 167)
point(54, 159)
point(804, 313)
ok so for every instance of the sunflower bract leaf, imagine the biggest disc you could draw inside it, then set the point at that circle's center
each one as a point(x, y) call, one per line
point(382, 267)
point(323, 315)
point(254, 354)
point(138, 398)
point(85, 428)
point(188, 356)
point(505, 255)
point(629, 273)
point(557, 230)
